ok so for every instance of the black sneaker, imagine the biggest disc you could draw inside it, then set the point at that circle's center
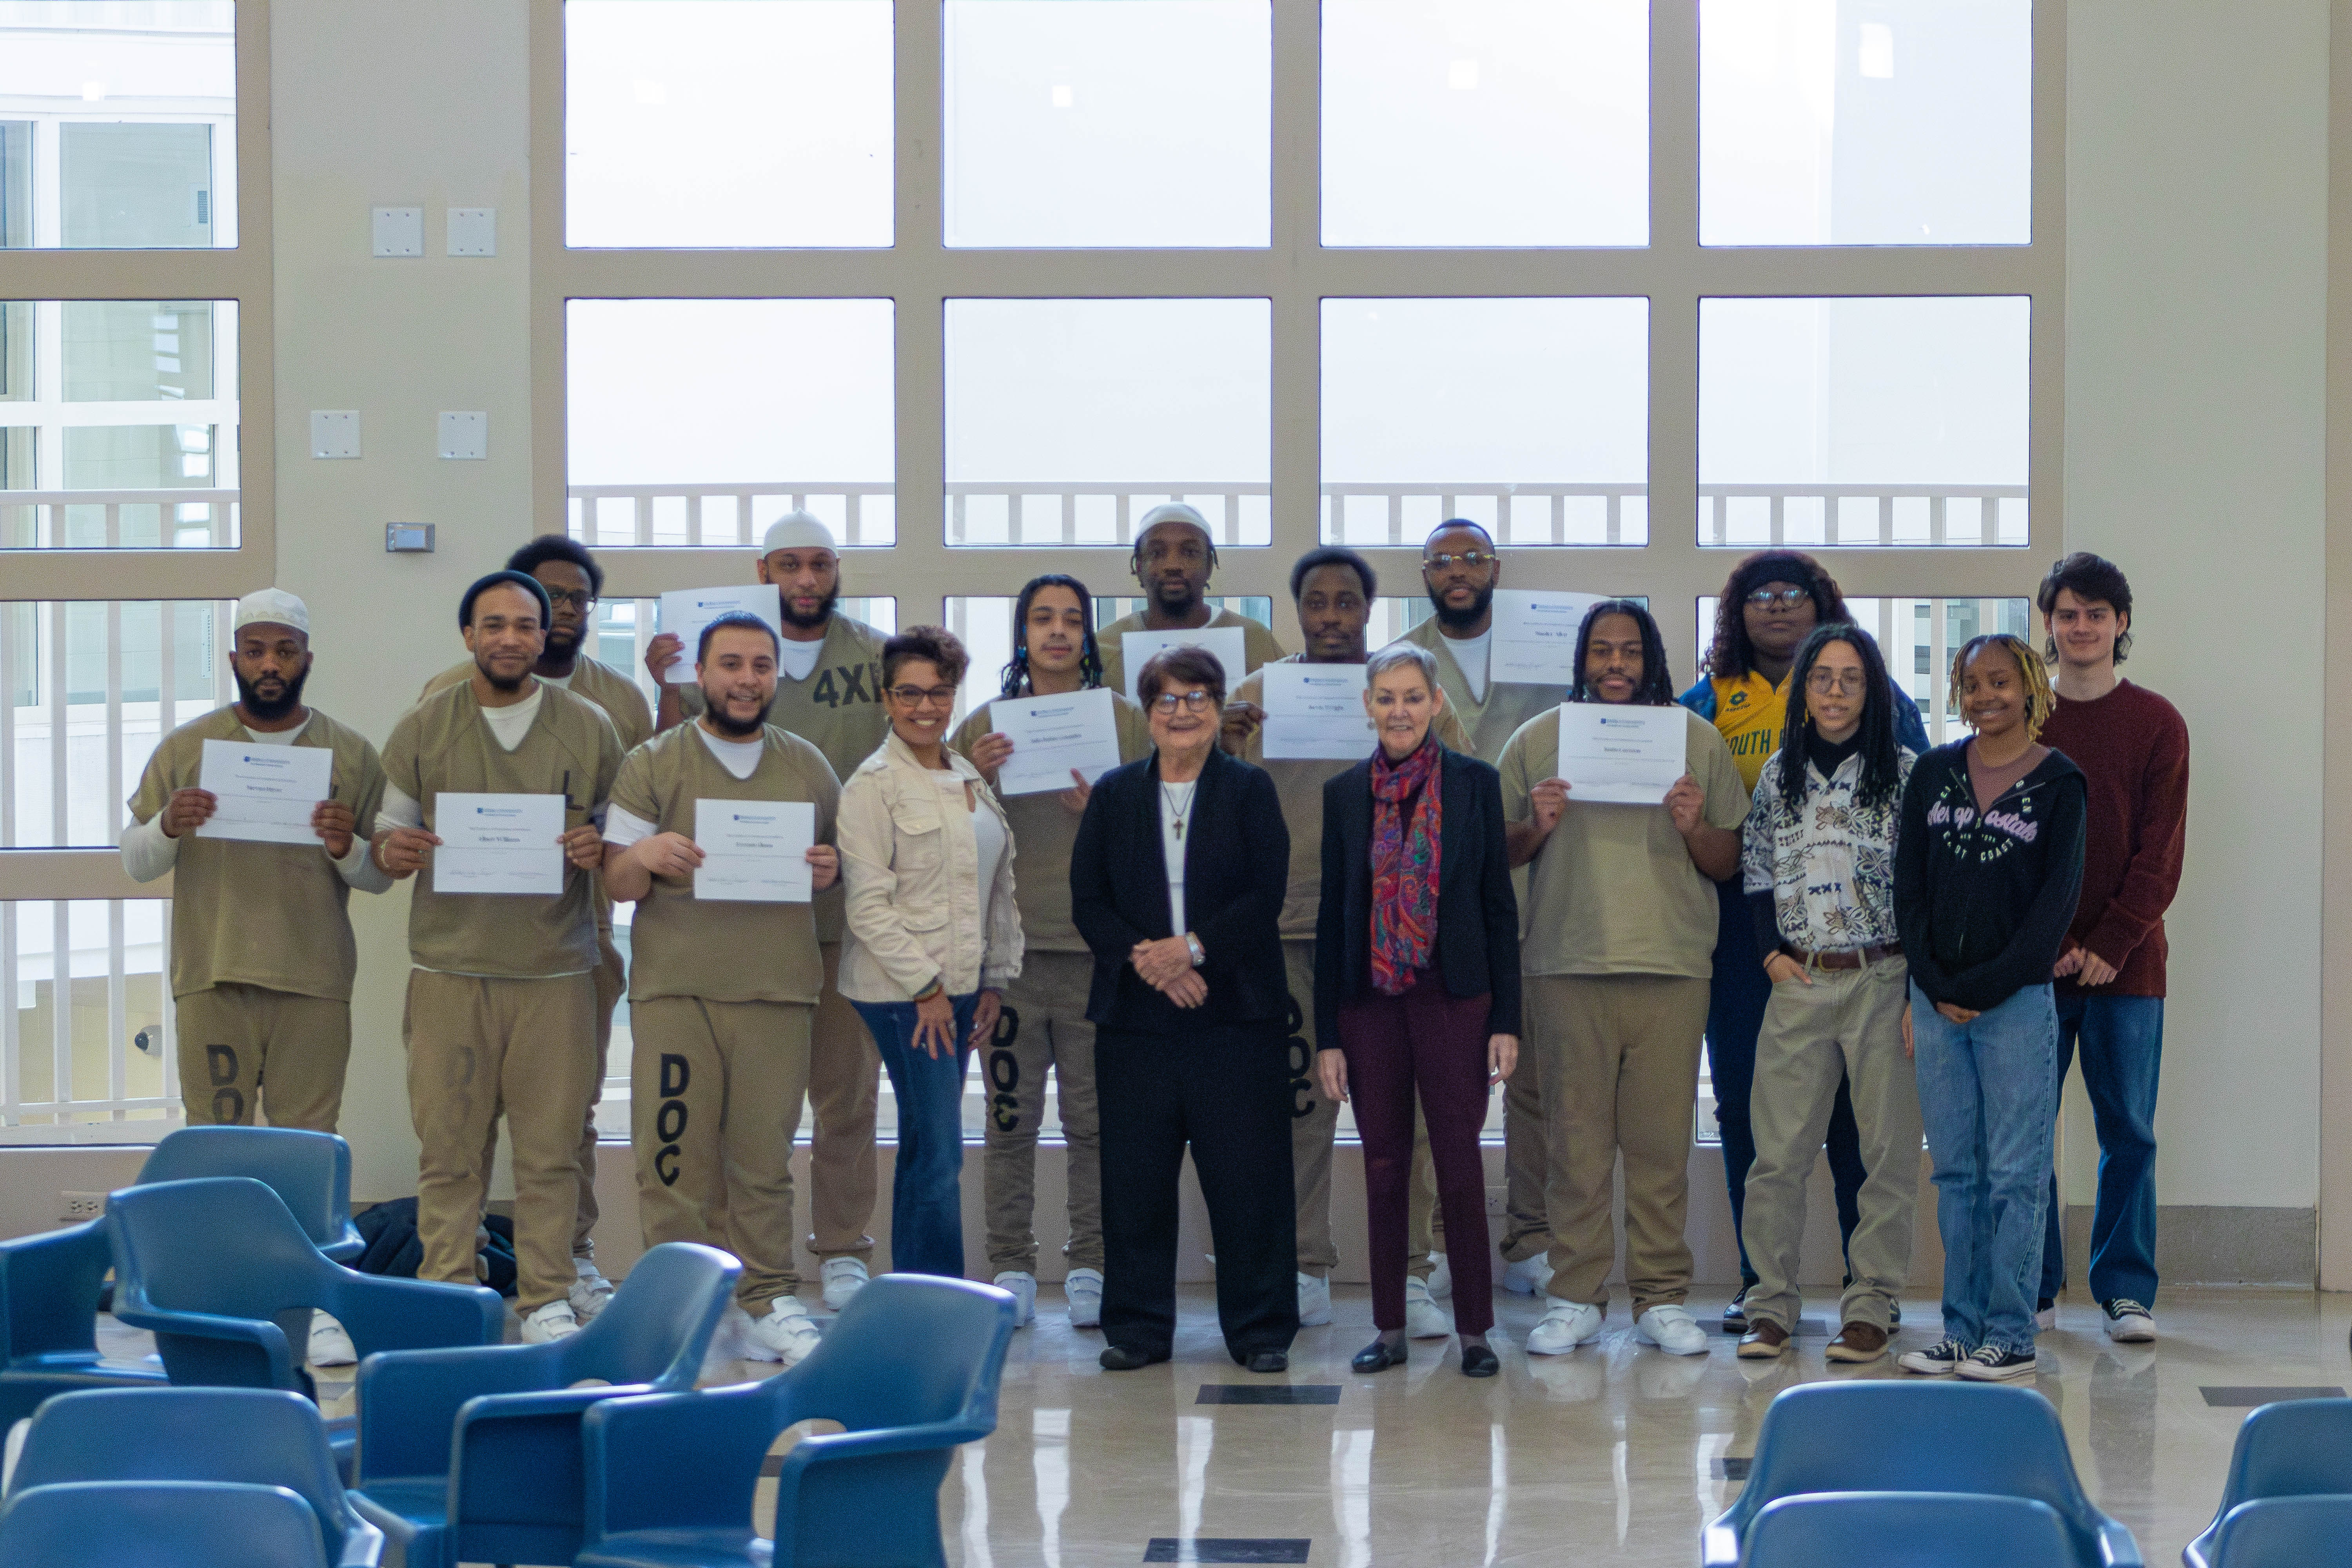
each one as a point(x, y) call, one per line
point(1994, 1365)
point(2128, 1322)
point(1939, 1360)
point(1735, 1316)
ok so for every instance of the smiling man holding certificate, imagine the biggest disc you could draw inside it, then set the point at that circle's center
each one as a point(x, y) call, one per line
point(709, 821)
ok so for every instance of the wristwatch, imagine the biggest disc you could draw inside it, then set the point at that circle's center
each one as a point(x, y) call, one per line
point(1192, 945)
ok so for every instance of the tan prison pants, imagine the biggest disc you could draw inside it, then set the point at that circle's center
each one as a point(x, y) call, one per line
point(1847, 1024)
point(1619, 1073)
point(714, 1097)
point(612, 985)
point(844, 1082)
point(1526, 1232)
point(480, 1050)
point(1048, 1005)
point(244, 1048)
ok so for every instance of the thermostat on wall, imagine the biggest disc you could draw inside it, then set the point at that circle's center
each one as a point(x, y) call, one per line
point(402, 538)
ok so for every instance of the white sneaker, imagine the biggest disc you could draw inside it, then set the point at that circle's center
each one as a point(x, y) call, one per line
point(1441, 1276)
point(1528, 1276)
point(785, 1334)
point(2045, 1320)
point(844, 1278)
point(550, 1323)
point(1671, 1328)
point(2128, 1322)
point(331, 1346)
point(726, 1346)
point(1565, 1326)
point(1083, 1289)
point(1423, 1319)
point(1025, 1295)
point(1314, 1301)
point(591, 1292)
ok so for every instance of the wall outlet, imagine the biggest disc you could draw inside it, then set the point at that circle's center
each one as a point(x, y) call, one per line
point(76, 1207)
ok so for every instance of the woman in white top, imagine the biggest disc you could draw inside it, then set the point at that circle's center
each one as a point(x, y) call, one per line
point(926, 857)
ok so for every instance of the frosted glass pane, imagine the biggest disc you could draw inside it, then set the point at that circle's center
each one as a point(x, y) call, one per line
point(778, 402)
point(1857, 422)
point(1066, 419)
point(1530, 415)
point(1486, 122)
point(1132, 123)
point(728, 122)
point(1866, 122)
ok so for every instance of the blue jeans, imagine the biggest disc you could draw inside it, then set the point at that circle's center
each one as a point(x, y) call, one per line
point(2123, 1048)
point(926, 1190)
point(1988, 1097)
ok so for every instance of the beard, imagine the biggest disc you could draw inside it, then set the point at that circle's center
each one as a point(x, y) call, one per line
point(815, 619)
point(270, 710)
point(563, 643)
point(1461, 620)
point(731, 727)
point(1177, 598)
point(498, 683)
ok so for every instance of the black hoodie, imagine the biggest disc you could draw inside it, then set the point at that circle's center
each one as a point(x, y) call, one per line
point(1983, 903)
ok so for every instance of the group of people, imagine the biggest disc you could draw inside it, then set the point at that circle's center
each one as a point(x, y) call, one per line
point(1210, 950)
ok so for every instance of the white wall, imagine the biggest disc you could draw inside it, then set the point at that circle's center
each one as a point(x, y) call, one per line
point(2196, 303)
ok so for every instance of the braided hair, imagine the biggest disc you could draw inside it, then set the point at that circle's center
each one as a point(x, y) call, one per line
point(1881, 755)
point(1657, 686)
point(1016, 671)
point(2040, 701)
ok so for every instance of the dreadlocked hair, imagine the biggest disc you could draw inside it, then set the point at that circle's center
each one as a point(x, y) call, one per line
point(2040, 701)
point(1731, 654)
point(1016, 671)
point(1657, 686)
point(1880, 752)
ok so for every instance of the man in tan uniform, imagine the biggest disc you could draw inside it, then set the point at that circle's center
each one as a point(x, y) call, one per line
point(829, 693)
point(1173, 560)
point(720, 1059)
point(1333, 588)
point(1054, 655)
point(502, 1016)
point(1460, 569)
point(574, 582)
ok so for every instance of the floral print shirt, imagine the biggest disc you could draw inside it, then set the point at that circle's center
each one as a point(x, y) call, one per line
point(1830, 864)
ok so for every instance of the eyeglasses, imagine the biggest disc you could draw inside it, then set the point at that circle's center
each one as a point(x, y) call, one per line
point(1473, 558)
point(1845, 682)
point(578, 599)
point(1194, 701)
point(916, 696)
point(1786, 599)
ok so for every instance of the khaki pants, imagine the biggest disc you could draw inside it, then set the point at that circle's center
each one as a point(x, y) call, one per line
point(479, 1049)
point(717, 1096)
point(1847, 1024)
point(612, 985)
point(1527, 1233)
point(844, 1084)
point(1619, 1072)
point(1047, 1006)
point(244, 1048)
point(1313, 1119)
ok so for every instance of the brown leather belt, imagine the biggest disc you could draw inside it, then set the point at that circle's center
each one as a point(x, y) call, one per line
point(1846, 958)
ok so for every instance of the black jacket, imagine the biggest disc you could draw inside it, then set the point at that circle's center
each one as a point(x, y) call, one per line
point(1983, 904)
point(1236, 864)
point(1477, 914)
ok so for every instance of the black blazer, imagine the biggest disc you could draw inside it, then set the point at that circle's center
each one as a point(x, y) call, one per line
point(1477, 913)
point(1236, 863)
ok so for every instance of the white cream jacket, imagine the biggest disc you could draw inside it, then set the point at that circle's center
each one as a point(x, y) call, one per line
point(911, 861)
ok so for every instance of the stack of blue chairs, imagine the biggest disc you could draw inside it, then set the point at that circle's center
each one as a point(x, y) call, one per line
point(2288, 1498)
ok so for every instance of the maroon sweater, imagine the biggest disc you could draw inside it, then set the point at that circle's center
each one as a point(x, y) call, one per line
point(2133, 750)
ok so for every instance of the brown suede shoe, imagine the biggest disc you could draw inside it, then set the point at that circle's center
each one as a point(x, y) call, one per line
point(1858, 1342)
point(1763, 1340)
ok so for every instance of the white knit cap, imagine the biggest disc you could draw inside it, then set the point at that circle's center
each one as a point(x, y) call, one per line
point(274, 605)
point(798, 531)
point(1174, 511)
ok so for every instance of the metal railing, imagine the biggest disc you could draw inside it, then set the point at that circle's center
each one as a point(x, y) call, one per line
point(42, 520)
point(620, 516)
point(1748, 517)
point(1569, 514)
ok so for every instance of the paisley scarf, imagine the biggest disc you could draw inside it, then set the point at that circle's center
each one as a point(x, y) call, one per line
point(1404, 866)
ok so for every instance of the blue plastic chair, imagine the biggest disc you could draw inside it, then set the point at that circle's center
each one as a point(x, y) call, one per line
point(253, 1437)
point(1907, 1529)
point(49, 1286)
point(310, 1171)
point(159, 1524)
point(2298, 1447)
point(2284, 1532)
point(1918, 1437)
point(475, 1453)
point(911, 1367)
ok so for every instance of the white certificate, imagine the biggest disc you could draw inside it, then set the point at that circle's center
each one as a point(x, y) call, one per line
point(755, 851)
point(1316, 712)
point(1050, 735)
point(263, 795)
point(1535, 636)
point(1620, 754)
point(498, 842)
point(686, 611)
point(1227, 644)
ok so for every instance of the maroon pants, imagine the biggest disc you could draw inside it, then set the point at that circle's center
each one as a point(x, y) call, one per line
point(1429, 1041)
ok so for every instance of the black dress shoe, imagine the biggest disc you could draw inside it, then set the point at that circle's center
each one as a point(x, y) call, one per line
point(1378, 1356)
point(1478, 1360)
point(1119, 1358)
point(1267, 1361)
point(1735, 1316)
